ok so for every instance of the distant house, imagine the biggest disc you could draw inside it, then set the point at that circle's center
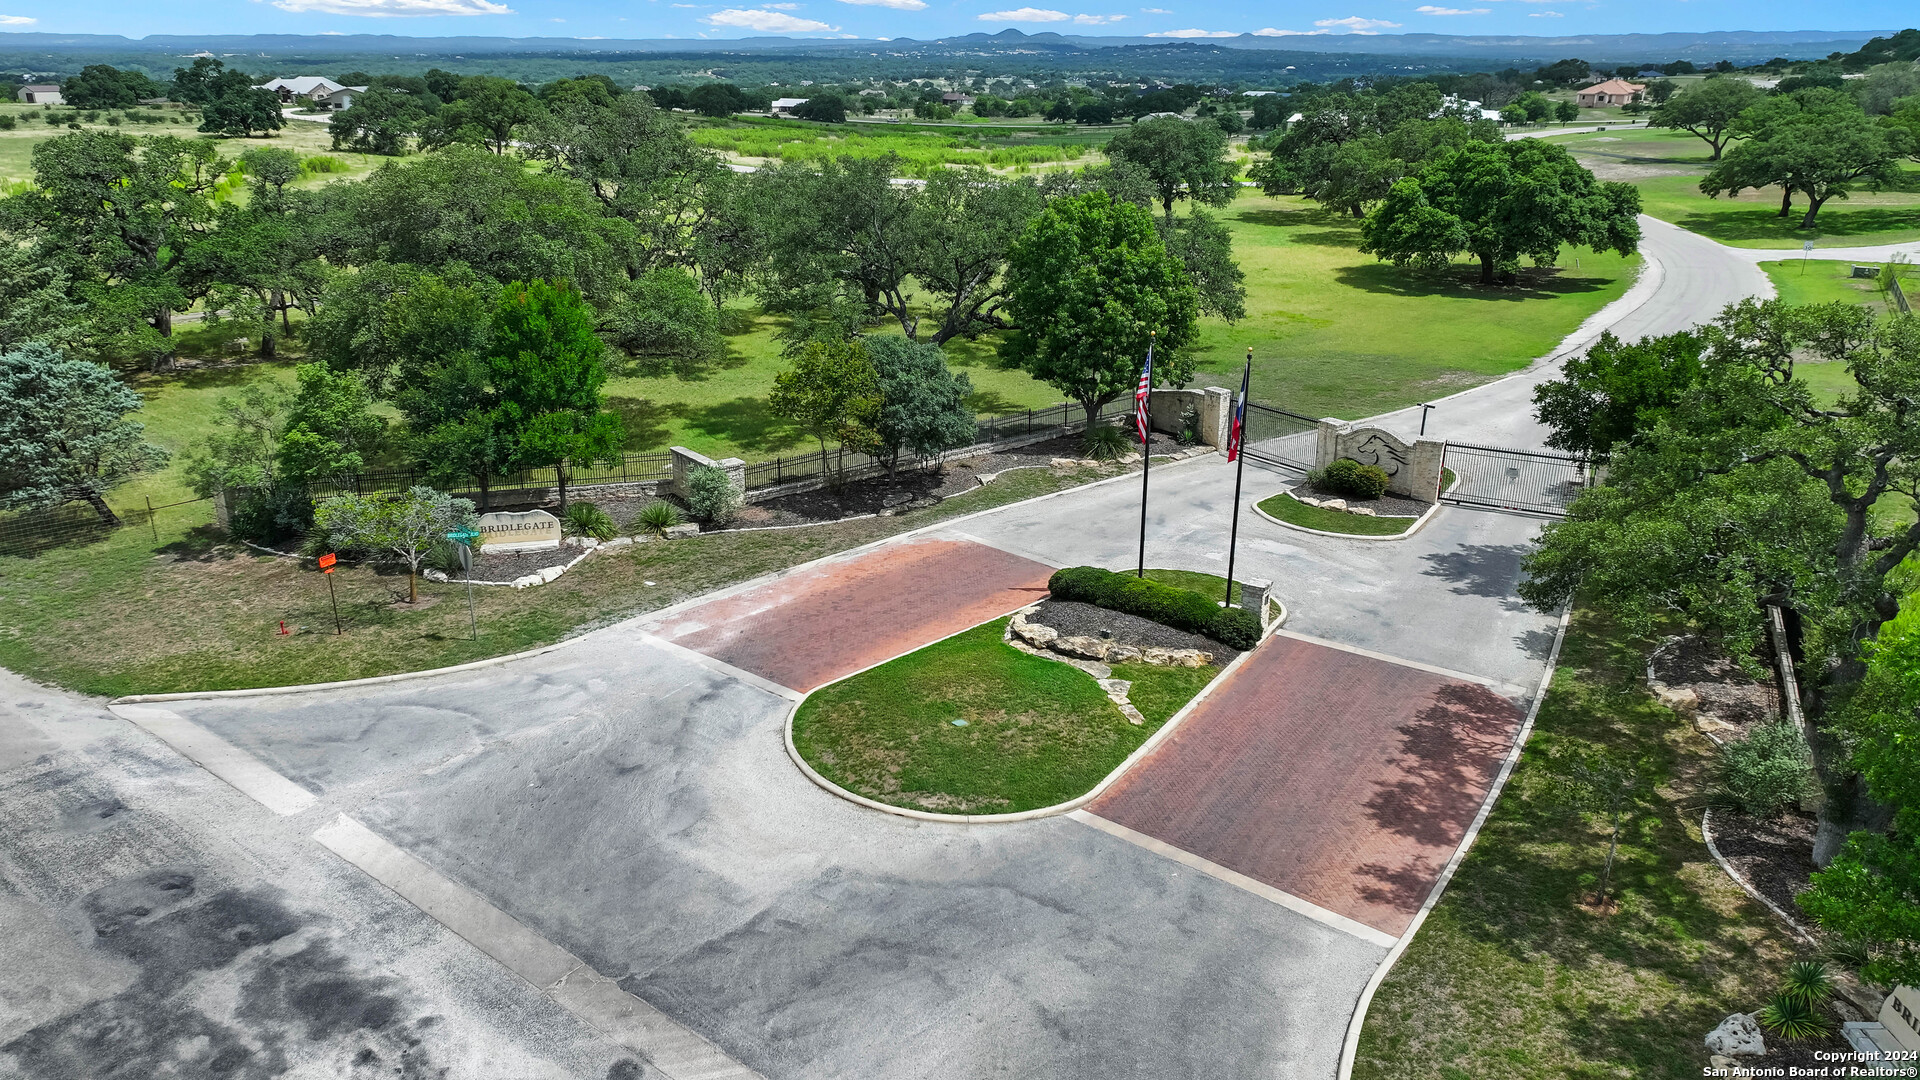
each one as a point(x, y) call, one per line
point(785, 106)
point(340, 99)
point(301, 88)
point(956, 101)
point(1158, 115)
point(42, 94)
point(1259, 93)
point(870, 92)
point(1611, 92)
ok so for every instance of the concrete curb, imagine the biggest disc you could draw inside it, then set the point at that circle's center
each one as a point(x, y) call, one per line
point(1140, 752)
point(1418, 524)
point(640, 620)
point(1351, 1047)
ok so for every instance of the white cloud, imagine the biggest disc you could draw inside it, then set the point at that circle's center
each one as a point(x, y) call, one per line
point(897, 5)
point(1271, 32)
point(16, 20)
point(1195, 33)
point(1026, 14)
point(1545, 15)
point(768, 22)
point(1358, 25)
point(1429, 9)
point(382, 9)
point(1155, 11)
point(1096, 20)
point(781, 7)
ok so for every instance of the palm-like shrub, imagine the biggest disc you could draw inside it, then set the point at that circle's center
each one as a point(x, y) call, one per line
point(1791, 1018)
point(586, 519)
point(1809, 982)
point(657, 517)
point(1104, 442)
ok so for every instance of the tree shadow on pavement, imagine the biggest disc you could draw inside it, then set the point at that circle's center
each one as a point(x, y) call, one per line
point(1479, 570)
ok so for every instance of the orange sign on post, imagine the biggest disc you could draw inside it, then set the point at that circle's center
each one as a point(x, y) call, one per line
point(326, 567)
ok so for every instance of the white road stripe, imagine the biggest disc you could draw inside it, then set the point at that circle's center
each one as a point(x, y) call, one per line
point(678, 1052)
point(1238, 880)
point(246, 773)
point(1510, 690)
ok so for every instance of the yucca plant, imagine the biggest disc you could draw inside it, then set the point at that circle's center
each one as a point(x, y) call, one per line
point(1104, 442)
point(1808, 982)
point(1791, 1018)
point(657, 517)
point(586, 519)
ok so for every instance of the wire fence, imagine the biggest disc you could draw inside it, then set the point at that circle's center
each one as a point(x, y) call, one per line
point(31, 532)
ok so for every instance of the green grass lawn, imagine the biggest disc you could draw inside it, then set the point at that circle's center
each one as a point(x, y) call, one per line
point(1667, 165)
point(1338, 333)
point(304, 137)
point(1826, 281)
point(971, 725)
point(1294, 512)
point(127, 615)
point(1510, 979)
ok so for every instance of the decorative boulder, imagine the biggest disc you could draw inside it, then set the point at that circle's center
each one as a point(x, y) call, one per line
point(677, 532)
point(1363, 511)
point(548, 573)
point(1034, 634)
point(1086, 647)
point(1333, 504)
point(434, 575)
point(1122, 654)
point(1737, 1036)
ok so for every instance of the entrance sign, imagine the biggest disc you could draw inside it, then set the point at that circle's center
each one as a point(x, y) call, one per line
point(326, 563)
point(1900, 1014)
point(529, 530)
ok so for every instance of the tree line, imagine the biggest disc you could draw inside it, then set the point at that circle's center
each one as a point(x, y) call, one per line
point(608, 231)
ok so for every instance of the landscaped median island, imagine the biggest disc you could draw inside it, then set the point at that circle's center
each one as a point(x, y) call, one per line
point(1024, 712)
point(1348, 497)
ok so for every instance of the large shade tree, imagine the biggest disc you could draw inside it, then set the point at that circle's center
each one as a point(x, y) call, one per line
point(1186, 159)
point(1752, 491)
point(64, 432)
point(1501, 202)
point(1090, 286)
point(1708, 110)
point(1817, 143)
point(123, 217)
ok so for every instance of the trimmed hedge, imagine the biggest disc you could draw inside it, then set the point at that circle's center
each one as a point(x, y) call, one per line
point(1350, 478)
point(1182, 609)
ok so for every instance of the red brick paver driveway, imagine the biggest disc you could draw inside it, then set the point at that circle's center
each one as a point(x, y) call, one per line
point(817, 625)
point(1342, 779)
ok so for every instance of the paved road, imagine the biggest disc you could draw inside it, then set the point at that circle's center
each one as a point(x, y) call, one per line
point(1686, 281)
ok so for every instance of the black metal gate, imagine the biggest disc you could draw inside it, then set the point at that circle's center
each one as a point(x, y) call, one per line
point(1502, 478)
point(1278, 437)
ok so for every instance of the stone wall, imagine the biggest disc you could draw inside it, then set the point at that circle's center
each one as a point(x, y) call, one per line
point(1413, 469)
point(1214, 404)
point(685, 461)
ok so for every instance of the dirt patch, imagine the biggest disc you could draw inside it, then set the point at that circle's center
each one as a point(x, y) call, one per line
point(1604, 168)
point(1089, 620)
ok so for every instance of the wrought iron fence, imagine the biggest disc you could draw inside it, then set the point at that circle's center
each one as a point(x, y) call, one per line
point(628, 469)
point(1279, 437)
point(1502, 478)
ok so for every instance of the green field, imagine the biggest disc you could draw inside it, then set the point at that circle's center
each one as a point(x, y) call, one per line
point(971, 725)
point(1338, 333)
point(1666, 166)
point(921, 148)
point(1510, 978)
point(1825, 281)
point(302, 136)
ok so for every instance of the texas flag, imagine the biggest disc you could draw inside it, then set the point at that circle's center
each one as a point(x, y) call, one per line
point(1239, 429)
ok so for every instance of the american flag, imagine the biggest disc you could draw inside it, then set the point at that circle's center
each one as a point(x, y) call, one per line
point(1240, 412)
point(1141, 394)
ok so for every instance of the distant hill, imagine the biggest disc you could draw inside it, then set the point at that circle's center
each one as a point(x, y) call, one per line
point(1737, 45)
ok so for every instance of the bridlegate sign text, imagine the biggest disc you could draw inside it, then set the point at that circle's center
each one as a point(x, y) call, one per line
point(530, 530)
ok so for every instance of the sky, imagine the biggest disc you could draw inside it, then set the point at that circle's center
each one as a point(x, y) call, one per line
point(937, 18)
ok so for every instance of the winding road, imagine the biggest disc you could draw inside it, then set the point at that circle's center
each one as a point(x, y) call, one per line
point(597, 862)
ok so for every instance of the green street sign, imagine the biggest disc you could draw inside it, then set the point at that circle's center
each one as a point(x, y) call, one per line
point(463, 536)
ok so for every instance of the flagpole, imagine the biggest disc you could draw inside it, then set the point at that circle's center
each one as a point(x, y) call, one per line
point(1240, 470)
point(1144, 417)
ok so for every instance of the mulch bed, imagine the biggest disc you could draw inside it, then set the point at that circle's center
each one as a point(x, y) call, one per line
point(1388, 505)
point(1783, 1052)
point(1774, 856)
point(505, 566)
point(1088, 620)
point(1727, 693)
